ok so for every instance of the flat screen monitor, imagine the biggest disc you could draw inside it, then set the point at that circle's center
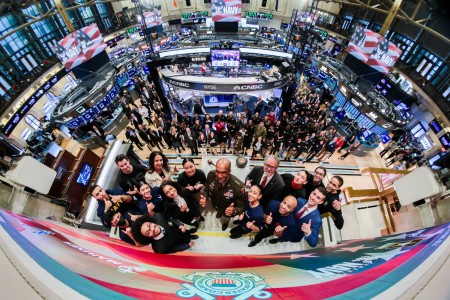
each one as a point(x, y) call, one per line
point(445, 140)
point(85, 174)
point(435, 126)
point(225, 58)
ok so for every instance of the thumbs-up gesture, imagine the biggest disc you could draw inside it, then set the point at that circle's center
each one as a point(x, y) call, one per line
point(229, 210)
point(202, 201)
point(306, 228)
point(250, 225)
point(248, 183)
point(279, 230)
point(269, 219)
point(336, 205)
point(175, 169)
point(183, 207)
point(241, 216)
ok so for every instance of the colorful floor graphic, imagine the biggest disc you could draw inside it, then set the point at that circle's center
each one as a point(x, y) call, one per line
point(102, 268)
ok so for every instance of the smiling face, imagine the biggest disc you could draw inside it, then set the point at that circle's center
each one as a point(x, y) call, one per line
point(100, 194)
point(287, 205)
point(189, 169)
point(150, 229)
point(158, 163)
point(145, 191)
point(254, 194)
point(315, 198)
point(270, 166)
point(333, 185)
point(170, 191)
point(125, 166)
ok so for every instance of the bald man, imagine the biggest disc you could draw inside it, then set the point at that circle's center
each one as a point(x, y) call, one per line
point(226, 192)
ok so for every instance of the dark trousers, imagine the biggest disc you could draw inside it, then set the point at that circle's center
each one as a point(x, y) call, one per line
point(239, 231)
point(265, 232)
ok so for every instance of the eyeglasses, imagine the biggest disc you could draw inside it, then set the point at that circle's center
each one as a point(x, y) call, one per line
point(318, 173)
point(270, 167)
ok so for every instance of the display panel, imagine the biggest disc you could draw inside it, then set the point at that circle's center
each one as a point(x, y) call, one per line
point(351, 110)
point(362, 43)
point(79, 46)
point(340, 98)
point(194, 15)
point(384, 56)
point(226, 10)
point(85, 174)
point(225, 58)
point(445, 140)
point(435, 126)
point(218, 100)
point(364, 121)
point(258, 15)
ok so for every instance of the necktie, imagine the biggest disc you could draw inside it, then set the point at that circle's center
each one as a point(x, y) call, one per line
point(300, 213)
point(264, 181)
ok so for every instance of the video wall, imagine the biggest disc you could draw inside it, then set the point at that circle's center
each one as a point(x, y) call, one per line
point(153, 17)
point(226, 10)
point(79, 46)
point(373, 49)
point(225, 58)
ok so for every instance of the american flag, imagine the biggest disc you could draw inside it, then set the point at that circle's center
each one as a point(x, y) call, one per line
point(90, 40)
point(384, 56)
point(223, 282)
point(226, 10)
point(363, 43)
point(69, 52)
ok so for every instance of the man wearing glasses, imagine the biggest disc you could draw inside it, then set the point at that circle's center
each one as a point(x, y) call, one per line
point(226, 192)
point(316, 180)
point(267, 177)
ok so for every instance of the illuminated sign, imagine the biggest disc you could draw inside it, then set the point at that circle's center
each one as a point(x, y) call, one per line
point(372, 116)
point(356, 103)
point(258, 15)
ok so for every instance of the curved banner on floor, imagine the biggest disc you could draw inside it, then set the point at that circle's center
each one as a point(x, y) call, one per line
point(225, 87)
point(99, 267)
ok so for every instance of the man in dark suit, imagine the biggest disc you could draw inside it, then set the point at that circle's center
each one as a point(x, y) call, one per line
point(307, 220)
point(165, 238)
point(271, 182)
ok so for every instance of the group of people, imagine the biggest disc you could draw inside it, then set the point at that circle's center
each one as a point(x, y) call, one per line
point(303, 131)
point(150, 207)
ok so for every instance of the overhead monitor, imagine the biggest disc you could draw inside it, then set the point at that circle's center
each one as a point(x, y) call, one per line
point(226, 10)
point(225, 58)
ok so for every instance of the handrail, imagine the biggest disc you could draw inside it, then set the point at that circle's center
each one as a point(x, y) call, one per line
point(383, 171)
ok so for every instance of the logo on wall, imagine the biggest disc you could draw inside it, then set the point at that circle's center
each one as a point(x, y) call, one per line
point(206, 285)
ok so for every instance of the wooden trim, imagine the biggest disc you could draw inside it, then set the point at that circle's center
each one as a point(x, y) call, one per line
point(383, 170)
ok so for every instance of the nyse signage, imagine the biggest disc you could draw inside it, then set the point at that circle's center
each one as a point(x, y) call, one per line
point(225, 87)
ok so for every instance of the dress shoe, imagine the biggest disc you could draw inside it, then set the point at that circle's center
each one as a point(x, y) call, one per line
point(218, 215)
point(193, 230)
point(196, 224)
point(194, 237)
point(235, 236)
point(224, 226)
point(235, 222)
point(273, 241)
point(202, 219)
point(252, 244)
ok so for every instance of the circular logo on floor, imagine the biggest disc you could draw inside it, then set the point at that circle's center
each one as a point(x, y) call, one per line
point(209, 284)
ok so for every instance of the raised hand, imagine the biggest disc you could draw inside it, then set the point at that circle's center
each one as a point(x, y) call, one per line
point(190, 187)
point(250, 224)
point(175, 169)
point(248, 183)
point(279, 230)
point(202, 201)
point(182, 228)
point(336, 205)
point(229, 210)
point(306, 228)
point(269, 219)
point(241, 217)
point(183, 207)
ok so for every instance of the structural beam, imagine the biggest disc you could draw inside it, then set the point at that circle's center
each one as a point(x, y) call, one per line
point(390, 17)
point(65, 17)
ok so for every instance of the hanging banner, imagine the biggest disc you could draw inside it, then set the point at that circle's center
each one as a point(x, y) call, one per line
point(226, 10)
point(363, 43)
point(384, 56)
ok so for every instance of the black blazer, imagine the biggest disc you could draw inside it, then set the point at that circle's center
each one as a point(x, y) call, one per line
point(273, 189)
point(173, 240)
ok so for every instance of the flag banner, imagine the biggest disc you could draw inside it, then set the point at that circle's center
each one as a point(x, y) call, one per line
point(79, 46)
point(384, 56)
point(362, 43)
point(226, 10)
point(99, 267)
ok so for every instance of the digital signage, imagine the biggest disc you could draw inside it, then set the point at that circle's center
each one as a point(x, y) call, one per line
point(362, 43)
point(79, 46)
point(226, 10)
point(225, 58)
point(258, 15)
point(194, 15)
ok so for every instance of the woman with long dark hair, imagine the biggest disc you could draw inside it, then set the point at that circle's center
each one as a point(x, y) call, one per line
point(192, 178)
point(159, 169)
point(179, 204)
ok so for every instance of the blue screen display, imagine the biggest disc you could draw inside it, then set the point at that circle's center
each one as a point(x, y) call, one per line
point(85, 174)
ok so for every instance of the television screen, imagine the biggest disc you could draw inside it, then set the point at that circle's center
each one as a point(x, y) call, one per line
point(445, 140)
point(435, 126)
point(85, 174)
point(225, 58)
point(226, 11)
